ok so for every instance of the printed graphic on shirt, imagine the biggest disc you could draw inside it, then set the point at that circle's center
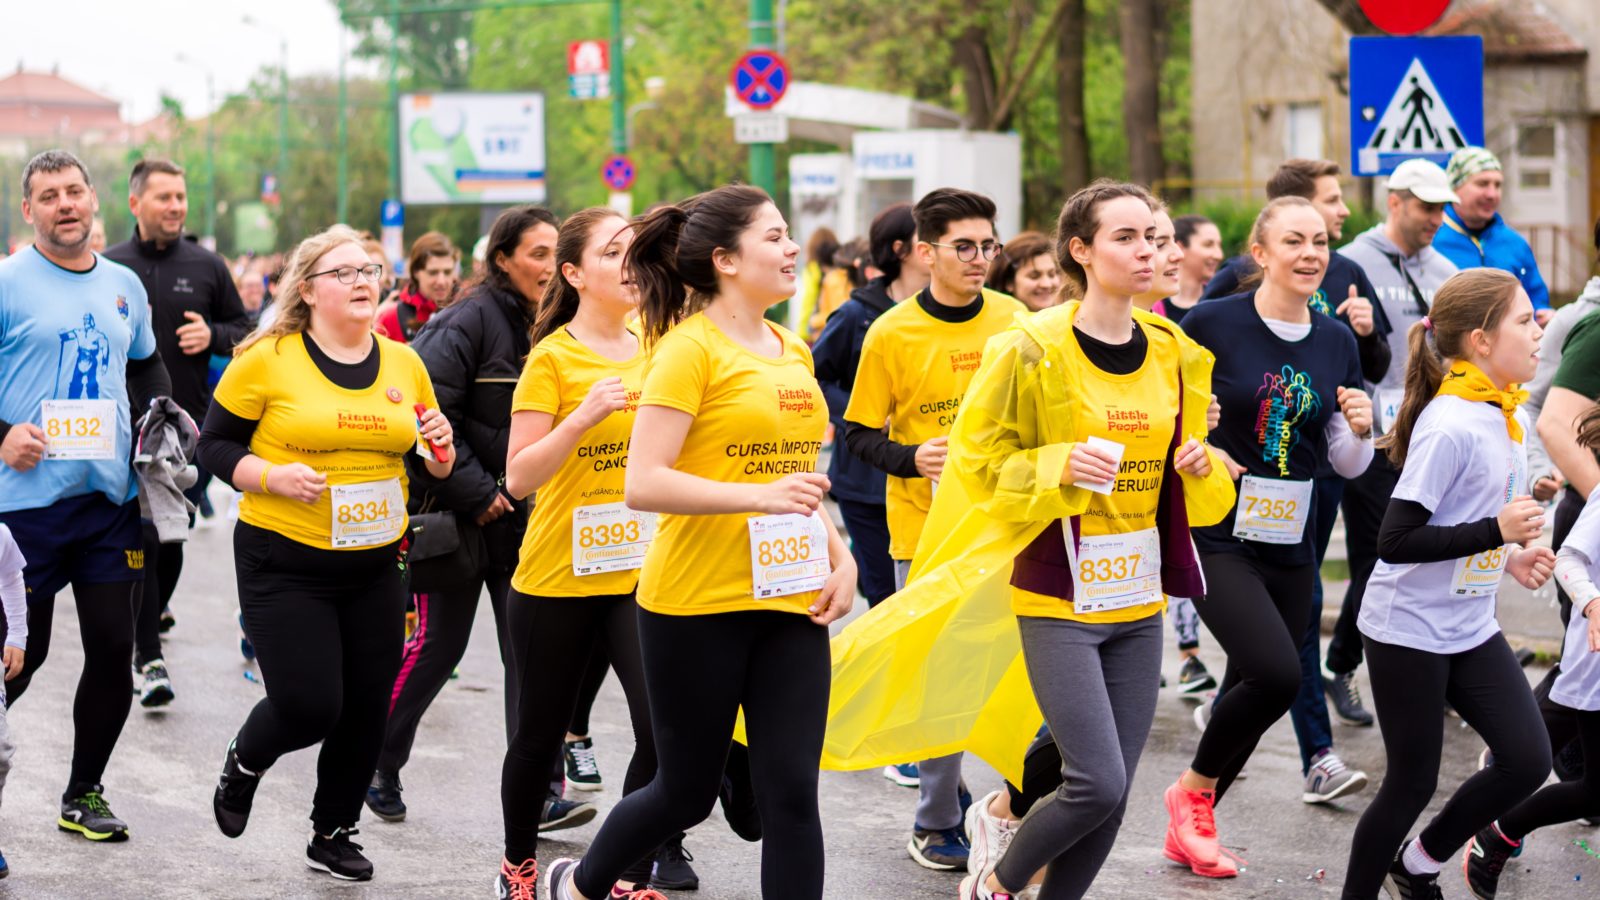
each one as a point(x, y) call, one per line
point(1319, 303)
point(1288, 402)
point(85, 359)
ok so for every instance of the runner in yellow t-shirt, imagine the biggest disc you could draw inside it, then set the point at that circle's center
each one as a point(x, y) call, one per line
point(313, 421)
point(573, 590)
point(1084, 410)
point(745, 573)
point(916, 363)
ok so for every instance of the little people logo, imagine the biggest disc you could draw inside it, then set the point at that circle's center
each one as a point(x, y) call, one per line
point(797, 400)
point(1287, 402)
point(965, 360)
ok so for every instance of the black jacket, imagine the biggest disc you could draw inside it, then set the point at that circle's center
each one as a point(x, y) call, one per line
point(837, 355)
point(186, 277)
point(474, 351)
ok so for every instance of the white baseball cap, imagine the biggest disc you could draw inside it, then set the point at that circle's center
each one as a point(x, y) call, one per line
point(1425, 180)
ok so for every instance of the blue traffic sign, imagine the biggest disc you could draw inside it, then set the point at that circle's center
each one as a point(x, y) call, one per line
point(1413, 98)
point(618, 172)
point(760, 78)
point(391, 214)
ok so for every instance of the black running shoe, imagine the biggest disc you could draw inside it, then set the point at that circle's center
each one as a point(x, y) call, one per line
point(339, 856)
point(1568, 762)
point(1346, 697)
point(672, 870)
point(1193, 677)
point(88, 815)
point(738, 795)
point(559, 814)
point(167, 620)
point(383, 797)
point(1484, 860)
point(236, 793)
point(1403, 885)
point(583, 770)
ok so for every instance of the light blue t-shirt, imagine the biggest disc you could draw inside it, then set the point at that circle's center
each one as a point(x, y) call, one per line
point(68, 336)
point(1462, 465)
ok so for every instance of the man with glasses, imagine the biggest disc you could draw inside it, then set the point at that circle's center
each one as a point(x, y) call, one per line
point(76, 351)
point(195, 312)
point(916, 362)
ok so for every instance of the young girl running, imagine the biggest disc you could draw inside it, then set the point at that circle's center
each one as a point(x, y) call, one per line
point(1459, 517)
point(1576, 693)
point(1288, 381)
point(572, 413)
point(1095, 405)
point(744, 575)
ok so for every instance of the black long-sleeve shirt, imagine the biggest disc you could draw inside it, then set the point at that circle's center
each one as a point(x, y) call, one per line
point(183, 277)
point(1406, 537)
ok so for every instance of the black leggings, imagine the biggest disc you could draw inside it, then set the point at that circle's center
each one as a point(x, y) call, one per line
point(1410, 687)
point(599, 665)
point(1258, 612)
point(552, 640)
point(327, 627)
point(1566, 800)
point(444, 625)
point(700, 670)
point(105, 689)
point(163, 563)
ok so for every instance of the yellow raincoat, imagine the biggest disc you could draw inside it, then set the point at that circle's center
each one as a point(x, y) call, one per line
point(938, 667)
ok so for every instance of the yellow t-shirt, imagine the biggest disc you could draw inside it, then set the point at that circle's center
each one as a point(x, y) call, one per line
point(352, 437)
point(555, 380)
point(756, 419)
point(1138, 411)
point(913, 373)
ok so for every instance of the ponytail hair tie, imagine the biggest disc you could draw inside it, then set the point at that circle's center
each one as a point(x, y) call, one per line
point(1427, 324)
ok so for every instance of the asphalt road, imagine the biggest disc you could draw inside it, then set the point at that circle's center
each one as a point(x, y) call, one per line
point(163, 772)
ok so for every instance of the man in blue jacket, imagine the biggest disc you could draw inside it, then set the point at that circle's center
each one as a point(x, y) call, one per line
point(1474, 235)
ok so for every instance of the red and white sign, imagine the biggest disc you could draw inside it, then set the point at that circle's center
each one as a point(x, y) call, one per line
point(589, 69)
point(1404, 17)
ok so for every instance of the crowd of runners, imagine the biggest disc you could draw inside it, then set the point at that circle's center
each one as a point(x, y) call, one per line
point(1041, 447)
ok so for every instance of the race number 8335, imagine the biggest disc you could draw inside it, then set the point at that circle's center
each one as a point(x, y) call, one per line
point(783, 550)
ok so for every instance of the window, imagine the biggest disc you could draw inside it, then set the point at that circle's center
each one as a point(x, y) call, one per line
point(1302, 137)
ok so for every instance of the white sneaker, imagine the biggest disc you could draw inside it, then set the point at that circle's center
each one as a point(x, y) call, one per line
point(988, 835)
point(1329, 778)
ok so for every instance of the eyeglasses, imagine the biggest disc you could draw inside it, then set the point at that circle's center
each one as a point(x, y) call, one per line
point(967, 251)
point(349, 274)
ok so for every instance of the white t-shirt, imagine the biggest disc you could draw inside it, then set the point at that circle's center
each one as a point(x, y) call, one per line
point(13, 592)
point(1578, 685)
point(1463, 466)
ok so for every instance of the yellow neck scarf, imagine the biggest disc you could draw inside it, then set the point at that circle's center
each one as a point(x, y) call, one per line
point(1468, 382)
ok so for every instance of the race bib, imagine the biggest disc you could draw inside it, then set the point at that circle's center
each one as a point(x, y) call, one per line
point(788, 555)
point(1115, 571)
point(80, 429)
point(610, 537)
point(370, 514)
point(1272, 511)
point(1385, 408)
point(1479, 575)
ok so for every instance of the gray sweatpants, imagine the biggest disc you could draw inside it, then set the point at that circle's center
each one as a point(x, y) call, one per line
point(1097, 687)
point(7, 749)
point(939, 791)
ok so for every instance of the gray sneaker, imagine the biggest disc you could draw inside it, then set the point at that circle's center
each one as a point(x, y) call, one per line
point(1329, 778)
point(1346, 698)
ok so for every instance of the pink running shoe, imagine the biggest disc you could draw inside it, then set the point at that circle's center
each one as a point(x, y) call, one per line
point(1192, 826)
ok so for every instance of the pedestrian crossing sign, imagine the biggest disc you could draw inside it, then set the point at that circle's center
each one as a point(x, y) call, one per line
point(1413, 98)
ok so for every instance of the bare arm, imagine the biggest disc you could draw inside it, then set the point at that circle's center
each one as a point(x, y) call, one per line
point(1559, 431)
point(537, 451)
point(653, 485)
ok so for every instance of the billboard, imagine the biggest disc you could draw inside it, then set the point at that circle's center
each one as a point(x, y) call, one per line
point(472, 148)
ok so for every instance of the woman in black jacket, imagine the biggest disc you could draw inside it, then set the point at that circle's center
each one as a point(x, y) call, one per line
point(474, 352)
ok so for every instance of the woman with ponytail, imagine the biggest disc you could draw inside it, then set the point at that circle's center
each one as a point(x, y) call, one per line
point(573, 590)
point(1460, 516)
point(744, 574)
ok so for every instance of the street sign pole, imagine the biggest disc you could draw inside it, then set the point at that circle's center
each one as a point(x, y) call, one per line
point(763, 157)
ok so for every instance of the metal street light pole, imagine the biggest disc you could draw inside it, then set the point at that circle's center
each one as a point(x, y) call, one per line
point(211, 147)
